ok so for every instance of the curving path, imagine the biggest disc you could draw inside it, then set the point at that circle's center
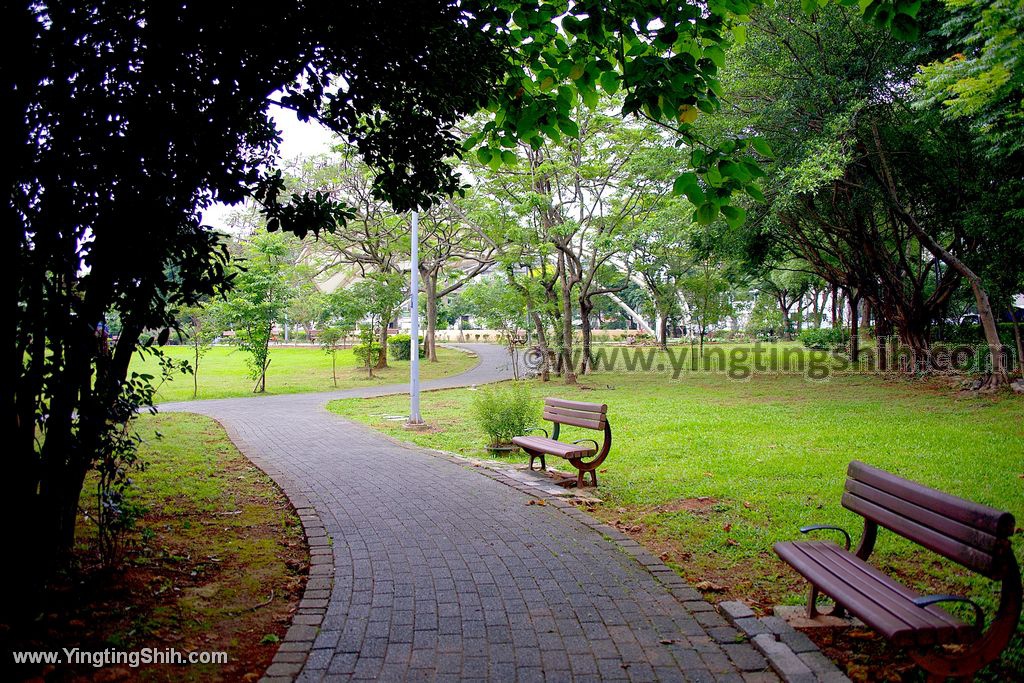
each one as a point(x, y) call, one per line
point(424, 568)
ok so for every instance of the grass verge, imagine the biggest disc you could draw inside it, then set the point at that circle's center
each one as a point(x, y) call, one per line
point(216, 563)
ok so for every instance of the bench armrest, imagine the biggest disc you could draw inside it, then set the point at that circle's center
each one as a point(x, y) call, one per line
point(979, 614)
point(819, 527)
point(596, 445)
point(539, 429)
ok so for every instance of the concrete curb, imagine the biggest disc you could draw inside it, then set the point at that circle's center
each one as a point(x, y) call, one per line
point(791, 654)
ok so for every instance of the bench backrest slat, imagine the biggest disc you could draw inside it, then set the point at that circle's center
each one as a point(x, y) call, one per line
point(966, 532)
point(576, 413)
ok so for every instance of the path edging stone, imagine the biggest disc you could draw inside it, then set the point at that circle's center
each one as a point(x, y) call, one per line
point(791, 654)
point(297, 643)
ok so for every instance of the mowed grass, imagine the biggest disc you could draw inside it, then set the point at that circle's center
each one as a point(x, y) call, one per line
point(710, 472)
point(223, 372)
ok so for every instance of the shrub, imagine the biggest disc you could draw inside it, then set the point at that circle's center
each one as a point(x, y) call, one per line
point(825, 339)
point(504, 412)
point(399, 346)
point(360, 351)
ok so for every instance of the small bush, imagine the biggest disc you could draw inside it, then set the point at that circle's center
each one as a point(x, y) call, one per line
point(504, 412)
point(825, 339)
point(399, 346)
point(360, 351)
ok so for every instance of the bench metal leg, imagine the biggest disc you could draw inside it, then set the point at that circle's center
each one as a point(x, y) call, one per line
point(581, 479)
point(812, 602)
point(812, 606)
point(543, 465)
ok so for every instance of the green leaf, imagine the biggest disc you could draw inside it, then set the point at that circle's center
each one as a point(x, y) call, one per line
point(714, 177)
point(610, 82)
point(910, 8)
point(762, 147)
point(569, 127)
point(731, 169)
point(687, 184)
point(706, 213)
point(508, 157)
point(589, 98)
point(716, 55)
point(484, 155)
point(905, 28)
point(576, 72)
point(809, 6)
point(734, 215)
point(754, 191)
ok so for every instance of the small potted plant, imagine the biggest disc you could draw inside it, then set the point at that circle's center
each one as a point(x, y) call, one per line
point(504, 412)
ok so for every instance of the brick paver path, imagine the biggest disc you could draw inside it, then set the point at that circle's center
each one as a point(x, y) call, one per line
point(441, 573)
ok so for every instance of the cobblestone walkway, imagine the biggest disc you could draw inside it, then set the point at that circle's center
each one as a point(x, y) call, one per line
point(425, 569)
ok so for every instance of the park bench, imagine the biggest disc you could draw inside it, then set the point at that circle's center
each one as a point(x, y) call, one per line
point(975, 536)
point(583, 457)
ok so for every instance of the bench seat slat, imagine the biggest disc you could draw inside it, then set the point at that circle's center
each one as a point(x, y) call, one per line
point(540, 444)
point(876, 599)
point(883, 603)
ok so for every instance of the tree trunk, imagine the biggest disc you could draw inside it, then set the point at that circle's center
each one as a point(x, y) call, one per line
point(586, 360)
point(430, 283)
point(195, 373)
point(854, 302)
point(1017, 337)
point(784, 309)
point(568, 371)
point(382, 358)
point(663, 331)
point(542, 342)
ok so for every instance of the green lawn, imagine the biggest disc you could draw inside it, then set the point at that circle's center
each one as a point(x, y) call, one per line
point(223, 372)
point(710, 472)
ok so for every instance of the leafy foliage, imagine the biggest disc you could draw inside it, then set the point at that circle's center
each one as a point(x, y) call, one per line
point(504, 412)
point(825, 338)
point(400, 346)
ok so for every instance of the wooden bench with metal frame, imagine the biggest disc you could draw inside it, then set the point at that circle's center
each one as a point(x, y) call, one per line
point(973, 535)
point(578, 414)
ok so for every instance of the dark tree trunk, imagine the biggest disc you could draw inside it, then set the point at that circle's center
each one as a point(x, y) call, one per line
point(586, 359)
point(854, 302)
point(429, 339)
point(382, 358)
point(1017, 337)
point(568, 371)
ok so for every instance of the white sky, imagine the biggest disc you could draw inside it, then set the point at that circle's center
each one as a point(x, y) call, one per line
point(297, 139)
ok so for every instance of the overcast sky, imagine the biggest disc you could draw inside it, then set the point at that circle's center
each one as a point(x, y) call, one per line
point(297, 138)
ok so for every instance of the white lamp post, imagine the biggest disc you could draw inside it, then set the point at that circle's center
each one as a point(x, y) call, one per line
point(414, 325)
